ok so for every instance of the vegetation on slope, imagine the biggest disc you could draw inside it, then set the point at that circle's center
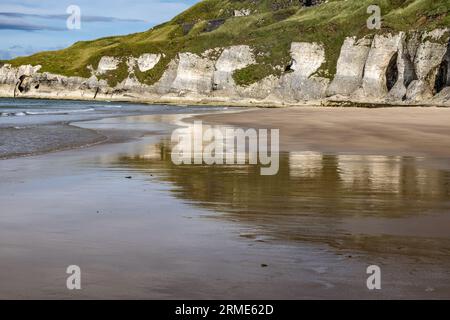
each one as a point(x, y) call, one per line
point(269, 30)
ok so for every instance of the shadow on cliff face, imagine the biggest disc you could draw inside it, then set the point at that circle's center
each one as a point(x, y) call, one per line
point(312, 197)
point(443, 74)
point(392, 72)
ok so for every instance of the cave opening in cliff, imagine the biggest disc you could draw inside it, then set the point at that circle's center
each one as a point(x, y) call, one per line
point(288, 68)
point(20, 85)
point(392, 72)
point(443, 74)
point(310, 3)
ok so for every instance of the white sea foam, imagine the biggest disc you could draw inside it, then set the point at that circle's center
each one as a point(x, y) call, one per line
point(111, 106)
point(36, 113)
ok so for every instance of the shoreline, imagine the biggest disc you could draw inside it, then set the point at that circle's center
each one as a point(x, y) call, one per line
point(104, 136)
point(200, 100)
point(38, 134)
point(289, 119)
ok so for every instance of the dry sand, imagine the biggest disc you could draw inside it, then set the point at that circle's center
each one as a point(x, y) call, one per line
point(389, 131)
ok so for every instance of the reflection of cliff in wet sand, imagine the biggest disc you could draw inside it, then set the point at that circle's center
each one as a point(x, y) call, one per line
point(320, 198)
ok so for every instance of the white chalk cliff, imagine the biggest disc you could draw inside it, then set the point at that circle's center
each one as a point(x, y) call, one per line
point(403, 68)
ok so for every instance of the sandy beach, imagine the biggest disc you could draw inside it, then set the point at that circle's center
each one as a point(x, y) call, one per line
point(356, 187)
point(414, 131)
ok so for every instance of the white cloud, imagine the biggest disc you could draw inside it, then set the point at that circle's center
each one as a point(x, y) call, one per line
point(151, 11)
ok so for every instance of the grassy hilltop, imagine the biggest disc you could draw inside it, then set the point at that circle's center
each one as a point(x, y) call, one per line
point(269, 29)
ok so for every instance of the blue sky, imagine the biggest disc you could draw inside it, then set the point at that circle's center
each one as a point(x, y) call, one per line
point(28, 26)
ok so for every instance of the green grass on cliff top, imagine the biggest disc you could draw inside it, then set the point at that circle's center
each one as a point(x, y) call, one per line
point(270, 29)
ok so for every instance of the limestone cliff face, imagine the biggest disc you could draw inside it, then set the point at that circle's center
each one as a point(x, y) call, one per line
point(350, 67)
point(428, 59)
point(148, 61)
point(26, 81)
point(403, 68)
point(301, 83)
point(107, 64)
point(231, 59)
point(194, 74)
point(10, 75)
point(382, 52)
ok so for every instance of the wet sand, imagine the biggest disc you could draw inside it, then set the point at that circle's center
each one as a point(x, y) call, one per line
point(202, 232)
point(30, 127)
